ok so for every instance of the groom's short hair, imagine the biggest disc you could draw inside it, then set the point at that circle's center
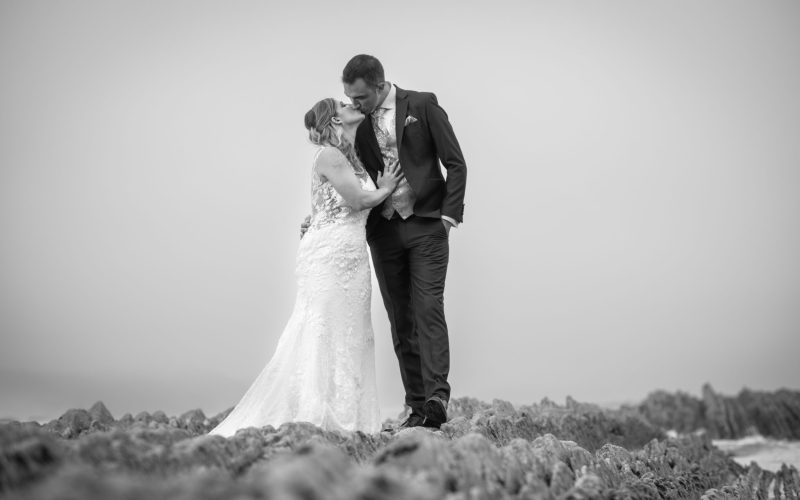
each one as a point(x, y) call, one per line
point(369, 68)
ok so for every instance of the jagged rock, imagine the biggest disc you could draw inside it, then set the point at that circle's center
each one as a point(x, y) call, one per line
point(504, 408)
point(548, 403)
point(195, 421)
point(680, 411)
point(465, 407)
point(755, 483)
point(81, 482)
point(468, 464)
point(587, 425)
point(613, 465)
point(27, 453)
point(535, 489)
point(315, 471)
point(193, 416)
point(528, 468)
point(422, 457)
point(479, 464)
point(71, 424)
point(159, 417)
point(496, 450)
point(724, 416)
point(216, 419)
point(764, 483)
point(139, 449)
point(568, 452)
point(590, 426)
point(588, 487)
point(561, 479)
point(101, 415)
point(790, 481)
point(126, 420)
point(456, 427)
point(774, 415)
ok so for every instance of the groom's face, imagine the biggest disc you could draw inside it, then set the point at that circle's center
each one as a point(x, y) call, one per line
point(363, 96)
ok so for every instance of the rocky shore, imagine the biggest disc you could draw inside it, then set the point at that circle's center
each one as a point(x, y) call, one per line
point(486, 451)
point(770, 414)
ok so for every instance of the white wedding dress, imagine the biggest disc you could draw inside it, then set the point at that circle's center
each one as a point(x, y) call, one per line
point(323, 369)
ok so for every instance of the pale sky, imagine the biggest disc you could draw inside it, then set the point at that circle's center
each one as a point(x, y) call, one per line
point(632, 215)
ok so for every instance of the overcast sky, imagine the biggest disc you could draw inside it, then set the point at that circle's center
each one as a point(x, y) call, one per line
point(632, 212)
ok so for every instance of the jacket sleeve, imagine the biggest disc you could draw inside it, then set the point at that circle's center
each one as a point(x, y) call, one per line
point(450, 155)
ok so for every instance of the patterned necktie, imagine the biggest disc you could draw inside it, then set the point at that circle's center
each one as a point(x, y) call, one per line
point(381, 132)
point(403, 198)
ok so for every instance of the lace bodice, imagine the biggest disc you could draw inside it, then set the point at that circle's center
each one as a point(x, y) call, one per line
point(328, 206)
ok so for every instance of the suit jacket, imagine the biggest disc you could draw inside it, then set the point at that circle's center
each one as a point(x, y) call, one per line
point(420, 145)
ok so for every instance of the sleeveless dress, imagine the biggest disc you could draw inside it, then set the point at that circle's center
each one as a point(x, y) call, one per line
point(323, 369)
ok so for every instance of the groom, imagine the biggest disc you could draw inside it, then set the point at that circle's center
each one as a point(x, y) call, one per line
point(408, 234)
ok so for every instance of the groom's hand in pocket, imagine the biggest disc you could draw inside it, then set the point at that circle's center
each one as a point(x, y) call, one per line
point(304, 226)
point(447, 226)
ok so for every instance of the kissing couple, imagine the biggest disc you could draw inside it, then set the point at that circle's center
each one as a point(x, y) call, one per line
point(376, 179)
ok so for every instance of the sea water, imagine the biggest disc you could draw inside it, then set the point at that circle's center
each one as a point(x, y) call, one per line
point(768, 453)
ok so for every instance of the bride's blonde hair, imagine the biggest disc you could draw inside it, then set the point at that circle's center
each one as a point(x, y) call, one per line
point(323, 132)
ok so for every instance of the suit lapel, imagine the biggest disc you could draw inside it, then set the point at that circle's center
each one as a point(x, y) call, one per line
point(368, 135)
point(401, 108)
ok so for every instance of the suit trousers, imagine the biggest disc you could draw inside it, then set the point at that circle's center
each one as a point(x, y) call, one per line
point(410, 259)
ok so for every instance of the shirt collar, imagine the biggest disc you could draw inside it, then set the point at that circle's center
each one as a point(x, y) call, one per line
point(391, 99)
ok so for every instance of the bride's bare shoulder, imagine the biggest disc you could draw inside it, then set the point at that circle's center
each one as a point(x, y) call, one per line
point(329, 157)
point(328, 153)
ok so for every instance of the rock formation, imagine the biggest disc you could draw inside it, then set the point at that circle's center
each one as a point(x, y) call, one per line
point(771, 414)
point(487, 450)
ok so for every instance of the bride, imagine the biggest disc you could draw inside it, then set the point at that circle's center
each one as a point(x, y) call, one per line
point(323, 369)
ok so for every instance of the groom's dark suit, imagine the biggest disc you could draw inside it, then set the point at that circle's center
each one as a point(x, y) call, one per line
point(410, 255)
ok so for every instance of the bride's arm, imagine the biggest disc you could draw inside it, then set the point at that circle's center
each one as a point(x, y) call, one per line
point(333, 166)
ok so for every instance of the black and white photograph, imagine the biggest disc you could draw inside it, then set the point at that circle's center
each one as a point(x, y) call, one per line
point(421, 250)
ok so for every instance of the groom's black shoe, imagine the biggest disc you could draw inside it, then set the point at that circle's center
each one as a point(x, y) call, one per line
point(435, 413)
point(413, 420)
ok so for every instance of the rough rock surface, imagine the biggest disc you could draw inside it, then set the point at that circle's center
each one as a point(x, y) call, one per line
point(758, 483)
point(587, 424)
point(771, 414)
point(487, 450)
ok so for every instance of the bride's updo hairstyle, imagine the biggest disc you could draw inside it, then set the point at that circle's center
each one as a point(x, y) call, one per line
point(322, 132)
point(320, 128)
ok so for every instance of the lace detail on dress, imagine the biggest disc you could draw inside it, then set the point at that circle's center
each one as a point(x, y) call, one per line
point(323, 369)
point(328, 206)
